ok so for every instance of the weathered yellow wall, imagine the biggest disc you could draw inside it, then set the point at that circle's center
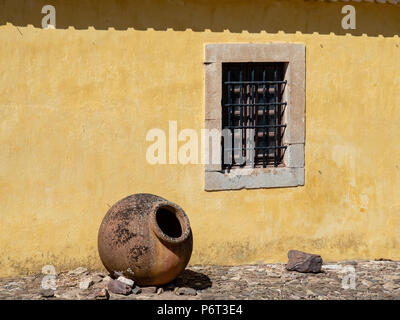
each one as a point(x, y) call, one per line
point(76, 104)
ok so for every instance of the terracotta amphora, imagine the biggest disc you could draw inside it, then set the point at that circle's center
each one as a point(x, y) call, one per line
point(145, 238)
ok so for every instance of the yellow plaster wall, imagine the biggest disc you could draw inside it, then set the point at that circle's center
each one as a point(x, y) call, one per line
point(76, 104)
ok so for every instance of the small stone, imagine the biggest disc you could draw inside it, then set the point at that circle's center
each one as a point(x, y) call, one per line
point(136, 290)
point(332, 267)
point(118, 287)
point(47, 293)
point(149, 289)
point(251, 268)
point(85, 284)
point(78, 271)
point(97, 279)
point(303, 262)
point(389, 286)
point(107, 279)
point(12, 286)
point(224, 278)
point(118, 274)
point(100, 274)
point(70, 294)
point(127, 281)
point(186, 291)
point(274, 275)
point(309, 293)
point(102, 295)
point(237, 278)
point(160, 291)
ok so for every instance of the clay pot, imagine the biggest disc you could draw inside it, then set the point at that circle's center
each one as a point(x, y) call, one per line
point(145, 238)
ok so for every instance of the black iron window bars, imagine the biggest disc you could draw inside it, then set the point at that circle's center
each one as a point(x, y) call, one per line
point(252, 114)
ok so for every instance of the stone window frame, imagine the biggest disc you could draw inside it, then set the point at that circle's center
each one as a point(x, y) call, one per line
point(292, 173)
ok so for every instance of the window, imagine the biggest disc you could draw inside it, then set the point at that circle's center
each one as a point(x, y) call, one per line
point(255, 99)
point(252, 111)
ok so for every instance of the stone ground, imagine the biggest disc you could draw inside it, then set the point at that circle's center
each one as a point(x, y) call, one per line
point(373, 280)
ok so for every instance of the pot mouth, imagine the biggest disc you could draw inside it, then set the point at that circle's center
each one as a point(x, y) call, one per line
point(170, 223)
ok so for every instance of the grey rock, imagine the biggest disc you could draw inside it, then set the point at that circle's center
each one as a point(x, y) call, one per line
point(107, 279)
point(160, 291)
point(303, 262)
point(390, 286)
point(149, 289)
point(136, 290)
point(100, 274)
point(118, 274)
point(97, 279)
point(85, 284)
point(47, 293)
point(127, 281)
point(102, 295)
point(186, 291)
point(274, 275)
point(12, 286)
point(118, 287)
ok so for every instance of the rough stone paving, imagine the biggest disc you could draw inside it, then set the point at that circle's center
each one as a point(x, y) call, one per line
point(373, 280)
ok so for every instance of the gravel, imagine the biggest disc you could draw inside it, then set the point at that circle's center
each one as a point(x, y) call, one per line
point(340, 281)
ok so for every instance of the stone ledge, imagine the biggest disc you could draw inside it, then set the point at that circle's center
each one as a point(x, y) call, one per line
point(254, 178)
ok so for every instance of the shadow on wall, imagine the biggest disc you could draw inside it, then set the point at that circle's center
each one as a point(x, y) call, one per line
point(272, 16)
